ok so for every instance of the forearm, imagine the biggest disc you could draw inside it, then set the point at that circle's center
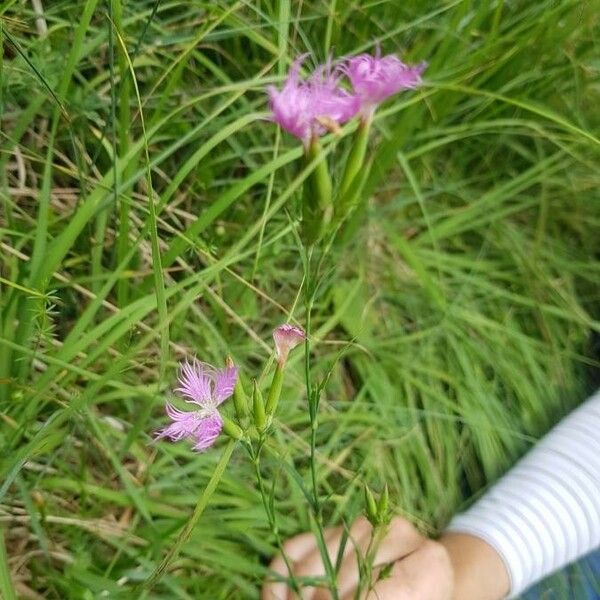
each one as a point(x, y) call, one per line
point(545, 512)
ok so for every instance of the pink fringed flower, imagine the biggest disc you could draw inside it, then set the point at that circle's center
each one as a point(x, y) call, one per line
point(286, 338)
point(307, 108)
point(205, 387)
point(375, 78)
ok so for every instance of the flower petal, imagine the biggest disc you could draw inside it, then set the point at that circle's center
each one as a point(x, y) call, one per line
point(375, 78)
point(175, 414)
point(195, 382)
point(184, 424)
point(301, 106)
point(224, 382)
point(286, 338)
point(207, 432)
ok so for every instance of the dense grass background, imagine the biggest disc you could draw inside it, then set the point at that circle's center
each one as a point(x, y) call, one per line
point(468, 293)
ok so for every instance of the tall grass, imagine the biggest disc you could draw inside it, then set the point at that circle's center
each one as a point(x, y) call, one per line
point(147, 212)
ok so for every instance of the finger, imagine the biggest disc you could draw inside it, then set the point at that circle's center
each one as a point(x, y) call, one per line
point(312, 565)
point(351, 593)
point(295, 549)
point(400, 540)
point(426, 574)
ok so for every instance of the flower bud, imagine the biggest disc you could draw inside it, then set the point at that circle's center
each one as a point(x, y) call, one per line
point(356, 158)
point(383, 505)
point(232, 429)
point(274, 391)
point(317, 198)
point(286, 338)
point(258, 408)
point(239, 396)
point(370, 506)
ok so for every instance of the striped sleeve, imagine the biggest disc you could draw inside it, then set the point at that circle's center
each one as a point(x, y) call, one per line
point(545, 512)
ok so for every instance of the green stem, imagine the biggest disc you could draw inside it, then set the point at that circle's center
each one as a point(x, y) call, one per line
point(366, 571)
point(293, 583)
point(186, 532)
point(313, 406)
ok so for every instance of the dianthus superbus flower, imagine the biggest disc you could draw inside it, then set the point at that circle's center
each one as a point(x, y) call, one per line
point(376, 78)
point(373, 78)
point(286, 338)
point(308, 108)
point(205, 387)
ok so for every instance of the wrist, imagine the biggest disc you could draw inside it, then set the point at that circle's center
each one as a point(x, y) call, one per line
point(479, 571)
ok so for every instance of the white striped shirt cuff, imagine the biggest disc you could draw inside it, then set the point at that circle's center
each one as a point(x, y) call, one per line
point(545, 512)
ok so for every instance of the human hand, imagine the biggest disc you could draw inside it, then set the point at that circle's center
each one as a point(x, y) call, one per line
point(421, 568)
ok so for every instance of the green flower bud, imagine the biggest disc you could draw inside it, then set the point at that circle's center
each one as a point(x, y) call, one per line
point(240, 401)
point(258, 408)
point(274, 391)
point(383, 505)
point(317, 199)
point(356, 158)
point(232, 429)
point(370, 506)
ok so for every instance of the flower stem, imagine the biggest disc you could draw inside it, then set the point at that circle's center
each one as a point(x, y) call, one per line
point(366, 568)
point(313, 408)
point(255, 457)
point(186, 532)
